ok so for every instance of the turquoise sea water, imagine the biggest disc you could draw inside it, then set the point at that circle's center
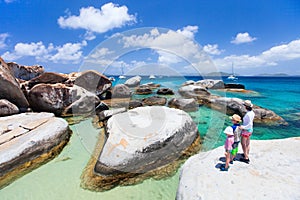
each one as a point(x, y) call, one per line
point(60, 178)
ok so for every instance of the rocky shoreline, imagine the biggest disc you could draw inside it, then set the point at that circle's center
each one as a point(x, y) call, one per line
point(272, 173)
point(139, 137)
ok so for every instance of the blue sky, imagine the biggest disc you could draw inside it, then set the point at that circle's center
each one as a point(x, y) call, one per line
point(257, 36)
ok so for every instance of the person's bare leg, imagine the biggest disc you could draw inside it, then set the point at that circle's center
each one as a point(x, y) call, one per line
point(243, 143)
point(248, 147)
point(227, 155)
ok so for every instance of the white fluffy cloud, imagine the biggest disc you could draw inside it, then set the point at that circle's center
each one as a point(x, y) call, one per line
point(212, 49)
point(283, 52)
point(3, 37)
point(243, 38)
point(188, 31)
point(171, 46)
point(270, 57)
point(67, 53)
point(101, 20)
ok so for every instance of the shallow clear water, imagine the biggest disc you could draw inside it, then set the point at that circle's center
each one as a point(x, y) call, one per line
point(60, 178)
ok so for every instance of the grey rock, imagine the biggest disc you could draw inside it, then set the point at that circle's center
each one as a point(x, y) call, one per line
point(193, 91)
point(62, 100)
point(144, 139)
point(155, 100)
point(121, 91)
point(188, 105)
point(25, 72)
point(134, 81)
point(7, 108)
point(10, 88)
point(165, 91)
point(25, 138)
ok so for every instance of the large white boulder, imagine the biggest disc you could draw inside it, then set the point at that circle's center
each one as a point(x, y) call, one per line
point(134, 81)
point(145, 138)
point(273, 173)
point(193, 91)
point(27, 140)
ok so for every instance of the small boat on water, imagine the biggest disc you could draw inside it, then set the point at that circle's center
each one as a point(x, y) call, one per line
point(152, 76)
point(122, 76)
point(232, 76)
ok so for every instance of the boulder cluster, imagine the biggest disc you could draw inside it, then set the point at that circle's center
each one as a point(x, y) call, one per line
point(25, 88)
point(140, 137)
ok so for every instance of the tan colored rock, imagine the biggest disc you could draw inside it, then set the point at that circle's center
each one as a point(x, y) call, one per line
point(25, 72)
point(62, 100)
point(93, 81)
point(7, 108)
point(48, 78)
point(9, 87)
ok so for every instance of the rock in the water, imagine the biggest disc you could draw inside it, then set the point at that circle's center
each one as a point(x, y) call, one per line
point(211, 84)
point(232, 106)
point(155, 100)
point(7, 108)
point(25, 72)
point(234, 86)
point(273, 173)
point(121, 91)
point(193, 91)
point(152, 85)
point(135, 104)
point(10, 88)
point(61, 100)
point(165, 91)
point(134, 81)
point(143, 90)
point(188, 105)
point(144, 139)
point(28, 140)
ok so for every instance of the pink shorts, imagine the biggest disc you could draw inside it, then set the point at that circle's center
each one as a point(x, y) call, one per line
point(246, 134)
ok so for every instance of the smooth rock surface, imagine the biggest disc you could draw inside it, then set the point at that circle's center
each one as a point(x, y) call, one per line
point(24, 138)
point(193, 91)
point(273, 173)
point(134, 81)
point(145, 138)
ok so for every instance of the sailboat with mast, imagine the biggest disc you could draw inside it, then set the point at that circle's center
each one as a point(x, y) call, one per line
point(232, 76)
point(122, 76)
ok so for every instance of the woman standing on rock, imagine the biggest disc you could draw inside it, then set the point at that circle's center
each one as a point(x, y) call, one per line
point(247, 129)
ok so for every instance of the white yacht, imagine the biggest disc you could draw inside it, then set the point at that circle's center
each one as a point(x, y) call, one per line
point(152, 76)
point(232, 76)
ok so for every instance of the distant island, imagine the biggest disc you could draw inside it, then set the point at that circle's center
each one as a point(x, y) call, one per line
point(273, 75)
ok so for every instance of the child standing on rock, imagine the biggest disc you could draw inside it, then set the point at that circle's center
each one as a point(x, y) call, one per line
point(228, 146)
point(236, 119)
